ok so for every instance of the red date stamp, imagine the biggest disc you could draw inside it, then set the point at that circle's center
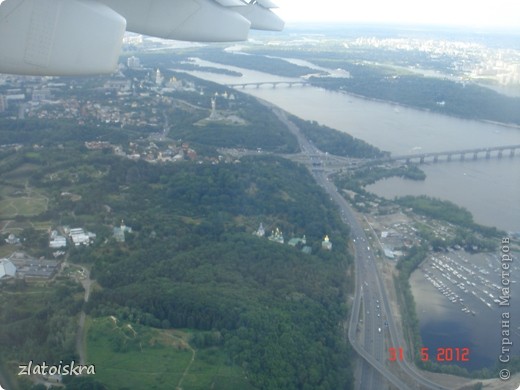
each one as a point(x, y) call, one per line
point(446, 354)
point(395, 354)
point(441, 354)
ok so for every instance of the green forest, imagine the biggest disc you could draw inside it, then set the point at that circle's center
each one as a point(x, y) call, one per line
point(191, 261)
point(464, 100)
point(336, 142)
point(191, 265)
point(447, 211)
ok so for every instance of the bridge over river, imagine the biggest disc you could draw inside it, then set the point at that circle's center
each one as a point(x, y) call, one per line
point(273, 84)
point(460, 155)
point(330, 162)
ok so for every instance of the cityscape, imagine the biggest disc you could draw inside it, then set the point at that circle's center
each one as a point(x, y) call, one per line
point(161, 212)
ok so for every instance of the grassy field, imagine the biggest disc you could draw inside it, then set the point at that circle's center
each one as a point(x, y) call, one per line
point(6, 250)
point(23, 206)
point(209, 371)
point(19, 175)
point(130, 356)
point(16, 197)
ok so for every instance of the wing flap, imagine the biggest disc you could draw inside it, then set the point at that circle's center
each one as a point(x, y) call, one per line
point(231, 3)
point(267, 3)
point(185, 20)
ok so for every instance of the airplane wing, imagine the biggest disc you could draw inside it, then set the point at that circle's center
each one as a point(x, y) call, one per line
point(78, 37)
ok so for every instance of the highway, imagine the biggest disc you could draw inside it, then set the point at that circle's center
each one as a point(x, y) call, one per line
point(372, 327)
point(371, 314)
point(366, 328)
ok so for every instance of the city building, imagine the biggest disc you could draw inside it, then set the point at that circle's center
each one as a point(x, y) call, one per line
point(133, 62)
point(326, 244)
point(57, 242)
point(42, 94)
point(81, 237)
point(389, 254)
point(12, 240)
point(174, 84)
point(3, 103)
point(28, 267)
point(7, 269)
point(261, 231)
point(276, 236)
point(118, 84)
point(159, 79)
point(296, 240)
point(119, 232)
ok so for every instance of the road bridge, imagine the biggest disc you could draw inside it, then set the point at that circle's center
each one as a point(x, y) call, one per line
point(331, 163)
point(458, 155)
point(274, 84)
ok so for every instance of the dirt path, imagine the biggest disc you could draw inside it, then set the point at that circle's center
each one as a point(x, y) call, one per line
point(193, 355)
point(7, 223)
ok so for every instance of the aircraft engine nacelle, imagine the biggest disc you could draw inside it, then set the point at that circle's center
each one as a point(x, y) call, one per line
point(60, 37)
point(185, 20)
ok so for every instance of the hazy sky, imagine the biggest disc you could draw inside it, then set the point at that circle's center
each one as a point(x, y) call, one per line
point(504, 13)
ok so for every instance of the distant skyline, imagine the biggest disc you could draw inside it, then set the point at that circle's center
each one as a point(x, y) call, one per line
point(489, 13)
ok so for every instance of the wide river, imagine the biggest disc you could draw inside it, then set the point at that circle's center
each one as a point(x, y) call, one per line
point(489, 189)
